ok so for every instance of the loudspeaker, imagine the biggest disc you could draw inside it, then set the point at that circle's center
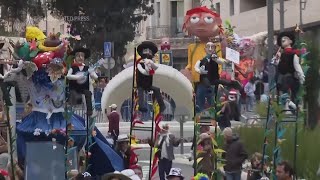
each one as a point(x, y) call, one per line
point(45, 161)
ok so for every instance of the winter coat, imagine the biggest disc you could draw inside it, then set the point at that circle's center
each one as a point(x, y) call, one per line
point(234, 155)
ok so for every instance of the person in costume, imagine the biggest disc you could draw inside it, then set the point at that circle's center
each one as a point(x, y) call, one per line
point(230, 111)
point(290, 73)
point(208, 68)
point(79, 78)
point(144, 74)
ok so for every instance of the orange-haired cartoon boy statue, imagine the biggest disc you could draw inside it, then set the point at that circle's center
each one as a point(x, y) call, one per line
point(206, 25)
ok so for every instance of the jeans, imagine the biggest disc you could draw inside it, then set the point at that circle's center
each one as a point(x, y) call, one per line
point(202, 94)
point(233, 176)
point(250, 101)
point(164, 168)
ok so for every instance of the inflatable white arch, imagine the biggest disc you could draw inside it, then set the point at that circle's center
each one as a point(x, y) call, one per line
point(168, 79)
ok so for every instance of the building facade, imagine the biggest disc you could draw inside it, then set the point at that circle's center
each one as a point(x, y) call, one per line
point(250, 16)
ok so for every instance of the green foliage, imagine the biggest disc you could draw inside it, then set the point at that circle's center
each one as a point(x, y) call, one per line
point(17, 9)
point(112, 20)
point(308, 147)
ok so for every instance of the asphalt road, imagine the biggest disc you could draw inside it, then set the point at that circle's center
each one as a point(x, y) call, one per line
point(181, 162)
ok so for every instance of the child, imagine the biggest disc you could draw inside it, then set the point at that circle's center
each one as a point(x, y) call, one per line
point(249, 89)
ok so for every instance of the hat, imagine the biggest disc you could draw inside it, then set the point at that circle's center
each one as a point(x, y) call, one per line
point(113, 106)
point(115, 174)
point(204, 136)
point(123, 138)
point(131, 174)
point(84, 50)
point(232, 92)
point(227, 131)
point(290, 35)
point(175, 172)
point(147, 45)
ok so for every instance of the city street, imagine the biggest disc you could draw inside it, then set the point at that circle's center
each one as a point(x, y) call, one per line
point(181, 161)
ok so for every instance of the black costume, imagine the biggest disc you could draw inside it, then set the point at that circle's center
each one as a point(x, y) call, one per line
point(75, 88)
point(144, 82)
point(286, 77)
point(213, 76)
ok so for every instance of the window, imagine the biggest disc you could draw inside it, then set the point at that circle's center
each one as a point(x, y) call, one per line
point(231, 7)
point(247, 5)
point(174, 9)
point(218, 8)
point(53, 30)
point(62, 28)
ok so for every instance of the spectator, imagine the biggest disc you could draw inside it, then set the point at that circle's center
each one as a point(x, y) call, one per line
point(166, 144)
point(284, 171)
point(126, 174)
point(98, 92)
point(4, 156)
point(249, 89)
point(175, 174)
point(206, 165)
point(114, 120)
point(234, 155)
point(2, 177)
point(256, 163)
point(123, 149)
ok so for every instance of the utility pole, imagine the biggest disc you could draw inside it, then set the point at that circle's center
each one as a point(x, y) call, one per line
point(270, 34)
point(282, 11)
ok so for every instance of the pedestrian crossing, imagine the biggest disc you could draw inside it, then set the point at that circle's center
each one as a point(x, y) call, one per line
point(145, 171)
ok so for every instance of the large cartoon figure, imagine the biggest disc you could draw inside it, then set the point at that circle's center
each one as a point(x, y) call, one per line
point(145, 71)
point(79, 78)
point(208, 68)
point(204, 24)
point(290, 73)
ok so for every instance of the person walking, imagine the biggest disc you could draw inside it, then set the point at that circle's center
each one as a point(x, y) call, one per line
point(166, 144)
point(249, 89)
point(114, 120)
point(234, 155)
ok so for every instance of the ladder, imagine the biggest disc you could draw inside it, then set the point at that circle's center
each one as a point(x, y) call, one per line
point(206, 118)
point(5, 123)
point(134, 124)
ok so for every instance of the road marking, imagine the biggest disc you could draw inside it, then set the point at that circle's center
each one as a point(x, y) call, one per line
point(145, 171)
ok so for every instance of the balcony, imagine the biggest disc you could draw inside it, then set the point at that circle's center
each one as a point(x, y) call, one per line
point(158, 32)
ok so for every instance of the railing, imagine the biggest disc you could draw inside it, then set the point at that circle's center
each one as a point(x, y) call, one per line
point(158, 32)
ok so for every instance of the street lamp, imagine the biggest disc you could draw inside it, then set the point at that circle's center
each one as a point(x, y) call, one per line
point(303, 4)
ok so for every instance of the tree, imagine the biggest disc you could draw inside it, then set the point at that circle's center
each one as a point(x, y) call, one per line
point(103, 20)
point(15, 11)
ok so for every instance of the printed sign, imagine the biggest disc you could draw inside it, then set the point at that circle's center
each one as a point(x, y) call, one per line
point(107, 49)
point(165, 58)
point(232, 55)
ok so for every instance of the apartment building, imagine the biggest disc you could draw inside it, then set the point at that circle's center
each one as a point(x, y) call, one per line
point(54, 25)
point(250, 16)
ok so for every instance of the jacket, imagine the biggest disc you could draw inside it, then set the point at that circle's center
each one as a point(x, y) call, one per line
point(114, 119)
point(234, 155)
point(206, 165)
point(167, 149)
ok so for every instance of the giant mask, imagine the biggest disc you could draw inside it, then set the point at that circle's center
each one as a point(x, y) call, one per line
point(202, 23)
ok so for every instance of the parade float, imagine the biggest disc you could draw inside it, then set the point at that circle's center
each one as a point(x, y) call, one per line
point(57, 80)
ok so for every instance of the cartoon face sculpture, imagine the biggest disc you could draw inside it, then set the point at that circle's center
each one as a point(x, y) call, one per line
point(210, 48)
point(202, 23)
point(246, 47)
point(165, 44)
